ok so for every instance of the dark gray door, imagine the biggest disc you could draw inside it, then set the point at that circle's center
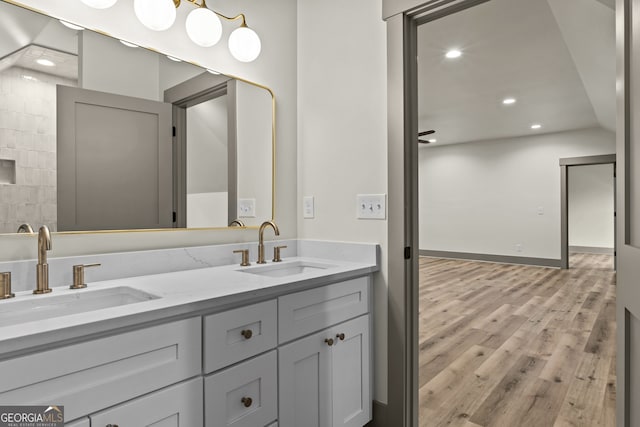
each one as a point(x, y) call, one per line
point(628, 215)
point(114, 161)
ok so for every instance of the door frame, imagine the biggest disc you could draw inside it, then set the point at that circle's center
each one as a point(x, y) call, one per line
point(403, 18)
point(198, 89)
point(565, 164)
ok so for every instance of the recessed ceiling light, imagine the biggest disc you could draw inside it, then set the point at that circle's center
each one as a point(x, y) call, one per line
point(45, 62)
point(432, 140)
point(453, 53)
point(509, 101)
point(127, 44)
point(72, 26)
point(536, 126)
point(173, 58)
point(212, 71)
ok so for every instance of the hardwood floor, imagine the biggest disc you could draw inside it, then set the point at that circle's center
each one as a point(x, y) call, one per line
point(507, 345)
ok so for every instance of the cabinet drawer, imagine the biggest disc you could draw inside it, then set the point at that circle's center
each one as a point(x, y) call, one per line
point(224, 342)
point(226, 394)
point(309, 311)
point(93, 375)
point(176, 406)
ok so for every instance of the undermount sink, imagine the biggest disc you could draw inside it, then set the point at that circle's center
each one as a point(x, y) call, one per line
point(29, 308)
point(287, 269)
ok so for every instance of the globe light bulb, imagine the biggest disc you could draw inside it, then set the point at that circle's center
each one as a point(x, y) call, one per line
point(204, 27)
point(244, 44)
point(156, 15)
point(99, 4)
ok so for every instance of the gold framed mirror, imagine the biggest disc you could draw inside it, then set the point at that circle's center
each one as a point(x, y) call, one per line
point(209, 154)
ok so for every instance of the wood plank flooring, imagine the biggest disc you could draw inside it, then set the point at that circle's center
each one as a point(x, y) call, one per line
point(515, 346)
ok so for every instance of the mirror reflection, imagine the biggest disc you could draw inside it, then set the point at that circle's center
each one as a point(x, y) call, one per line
point(98, 135)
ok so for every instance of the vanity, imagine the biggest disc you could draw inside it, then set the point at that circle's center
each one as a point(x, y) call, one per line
point(279, 344)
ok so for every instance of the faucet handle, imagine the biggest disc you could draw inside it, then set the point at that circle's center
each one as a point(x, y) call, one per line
point(78, 275)
point(245, 257)
point(5, 286)
point(276, 253)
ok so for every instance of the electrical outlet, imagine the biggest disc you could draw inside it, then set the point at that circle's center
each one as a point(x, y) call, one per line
point(371, 206)
point(246, 208)
point(308, 207)
point(540, 210)
point(518, 247)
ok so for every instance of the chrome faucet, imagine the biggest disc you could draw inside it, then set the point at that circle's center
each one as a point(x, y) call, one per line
point(261, 239)
point(42, 269)
point(25, 228)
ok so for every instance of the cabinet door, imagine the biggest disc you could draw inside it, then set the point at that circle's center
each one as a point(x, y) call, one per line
point(304, 383)
point(324, 385)
point(350, 374)
point(176, 406)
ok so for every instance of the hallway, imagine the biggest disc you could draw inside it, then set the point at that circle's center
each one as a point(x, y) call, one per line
point(510, 345)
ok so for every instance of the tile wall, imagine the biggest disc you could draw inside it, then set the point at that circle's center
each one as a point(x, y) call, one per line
point(28, 137)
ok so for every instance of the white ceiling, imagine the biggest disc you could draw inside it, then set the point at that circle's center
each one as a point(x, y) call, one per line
point(26, 36)
point(556, 57)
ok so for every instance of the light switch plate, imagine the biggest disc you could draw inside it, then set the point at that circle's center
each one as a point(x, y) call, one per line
point(246, 208)
point(371, 206)
point(308, 207)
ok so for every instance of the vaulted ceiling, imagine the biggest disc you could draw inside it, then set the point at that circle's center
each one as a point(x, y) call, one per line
point(555, 57)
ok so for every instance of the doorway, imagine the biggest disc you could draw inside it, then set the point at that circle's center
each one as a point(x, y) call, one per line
point(405, 319)
point(588, 206)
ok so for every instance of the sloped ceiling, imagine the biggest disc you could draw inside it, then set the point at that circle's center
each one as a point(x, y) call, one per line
point(26, 36)
point(556, 57)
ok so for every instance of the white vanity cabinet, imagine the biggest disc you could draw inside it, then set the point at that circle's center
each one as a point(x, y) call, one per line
point(299, 359)
point(325, 378)
point(179, 405)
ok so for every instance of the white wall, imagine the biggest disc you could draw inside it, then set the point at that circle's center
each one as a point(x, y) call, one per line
point(254, 171)
point(591, 206)
point(275, 21)
point(342, 133)
point(484, 197)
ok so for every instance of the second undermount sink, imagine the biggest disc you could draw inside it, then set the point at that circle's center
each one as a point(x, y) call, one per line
point(29, 308)
point(287, 269)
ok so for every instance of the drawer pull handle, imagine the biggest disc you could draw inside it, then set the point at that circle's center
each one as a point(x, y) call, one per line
point(329, 341)
point(246, 333)
point(247, 401)
point(340, 337)
point(112, 425)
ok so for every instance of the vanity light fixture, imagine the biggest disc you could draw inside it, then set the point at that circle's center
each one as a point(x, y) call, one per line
point(45, 62)
point(432, 140)
point(453, 53)
point(203, 25)
point(536, 126)
point(509, 101)
point(72, 26)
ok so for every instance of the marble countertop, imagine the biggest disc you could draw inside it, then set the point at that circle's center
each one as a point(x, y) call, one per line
point(180, 294)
